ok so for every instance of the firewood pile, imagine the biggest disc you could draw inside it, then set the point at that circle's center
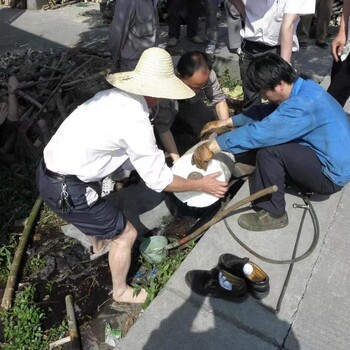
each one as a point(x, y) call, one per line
point(51, 85)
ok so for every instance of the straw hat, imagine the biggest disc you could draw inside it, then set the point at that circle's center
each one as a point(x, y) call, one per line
point(153, 76)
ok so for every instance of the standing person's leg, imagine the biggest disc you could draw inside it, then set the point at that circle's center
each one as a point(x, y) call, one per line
point(324, 13)
point(211, 22)
point(96, 218)
point(234, 26)
point(273, 164)
point(174, 21)
point(250, 51)
point(194, 7)
point(303, 30)
point(119, 262)
point(340, 81)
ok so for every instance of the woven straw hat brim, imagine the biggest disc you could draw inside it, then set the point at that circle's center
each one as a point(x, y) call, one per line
point(161, 87)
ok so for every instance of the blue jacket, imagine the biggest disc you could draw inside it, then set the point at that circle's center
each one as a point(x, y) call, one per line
point(310, 117)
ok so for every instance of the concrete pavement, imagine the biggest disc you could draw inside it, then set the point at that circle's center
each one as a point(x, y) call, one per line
point(314, 312)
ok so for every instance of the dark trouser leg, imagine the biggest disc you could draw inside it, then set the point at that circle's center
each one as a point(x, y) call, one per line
point(194, 7)
point(299, 163)
point(174, 12)
point(340, 81)
point(234, 25)
point(303, 29)
point(211, 22)
point(250, 97)
point(324, 12)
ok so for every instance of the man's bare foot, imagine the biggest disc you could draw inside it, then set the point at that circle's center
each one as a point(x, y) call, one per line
point(99, 245)
point(128, 296)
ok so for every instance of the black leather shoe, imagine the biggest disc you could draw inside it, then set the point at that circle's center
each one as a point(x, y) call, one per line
point(257, 281)
point(217, 284)
point(321, 44)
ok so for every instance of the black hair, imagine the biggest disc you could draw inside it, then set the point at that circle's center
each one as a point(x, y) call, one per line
point(191, 62)
point(267, 71)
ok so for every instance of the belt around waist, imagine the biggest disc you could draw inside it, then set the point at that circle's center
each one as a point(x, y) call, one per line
point(248, 45)
point(57, 176)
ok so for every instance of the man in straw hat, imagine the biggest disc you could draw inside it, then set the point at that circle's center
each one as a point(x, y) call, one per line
point(100, 136)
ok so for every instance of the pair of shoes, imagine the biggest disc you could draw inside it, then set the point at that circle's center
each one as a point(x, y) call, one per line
point(262, 221)
point(217, 283)
point(303, 44)
point(171, 42)
point(231, 279)
point(257, 280)
point(321, 44)
point(196, 39)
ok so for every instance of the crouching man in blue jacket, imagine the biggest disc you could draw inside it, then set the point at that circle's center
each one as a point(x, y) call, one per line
point(302, 134)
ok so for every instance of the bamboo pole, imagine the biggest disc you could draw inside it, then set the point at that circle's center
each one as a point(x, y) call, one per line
point(221, 215)
point(12, 279)
point(72, 324)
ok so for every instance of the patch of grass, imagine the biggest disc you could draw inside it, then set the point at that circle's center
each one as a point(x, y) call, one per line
point(22, 324)
point(6, 256)
point(49, 219)
point(159, 274)
point(226, 80)
point(34, 264)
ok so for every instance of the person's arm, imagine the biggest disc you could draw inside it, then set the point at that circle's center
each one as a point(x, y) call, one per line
point(13, 106)
point(222, 110)
point(340, 40)
point(168, 142)
point(240, 7)
point(286, 35)
point(118, 31)
point(214, 93)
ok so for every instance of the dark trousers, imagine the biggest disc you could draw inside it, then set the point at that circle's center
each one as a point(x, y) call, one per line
point(174, 19)
point(298, 163)
point(234, 25)
point(189, 121)
point(250, 51)
point(340, 81)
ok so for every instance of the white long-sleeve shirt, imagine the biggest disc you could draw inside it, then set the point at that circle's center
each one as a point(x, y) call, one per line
point(101, 134)
point(263, 19)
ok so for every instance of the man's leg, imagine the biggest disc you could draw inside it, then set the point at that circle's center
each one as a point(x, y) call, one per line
point(249, 53)
point(194, 7)
point(174, 12)
point(234, 25)
point(119, 262)
point(324, 13)
point(298, 162)
point(303, 29)
point(340, 81)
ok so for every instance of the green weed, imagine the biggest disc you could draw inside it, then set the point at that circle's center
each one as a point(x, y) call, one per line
point(22, 324)
point(6, 252)
point(159, 274)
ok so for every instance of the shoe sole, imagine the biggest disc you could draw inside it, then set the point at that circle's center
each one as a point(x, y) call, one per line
point(260, 229)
